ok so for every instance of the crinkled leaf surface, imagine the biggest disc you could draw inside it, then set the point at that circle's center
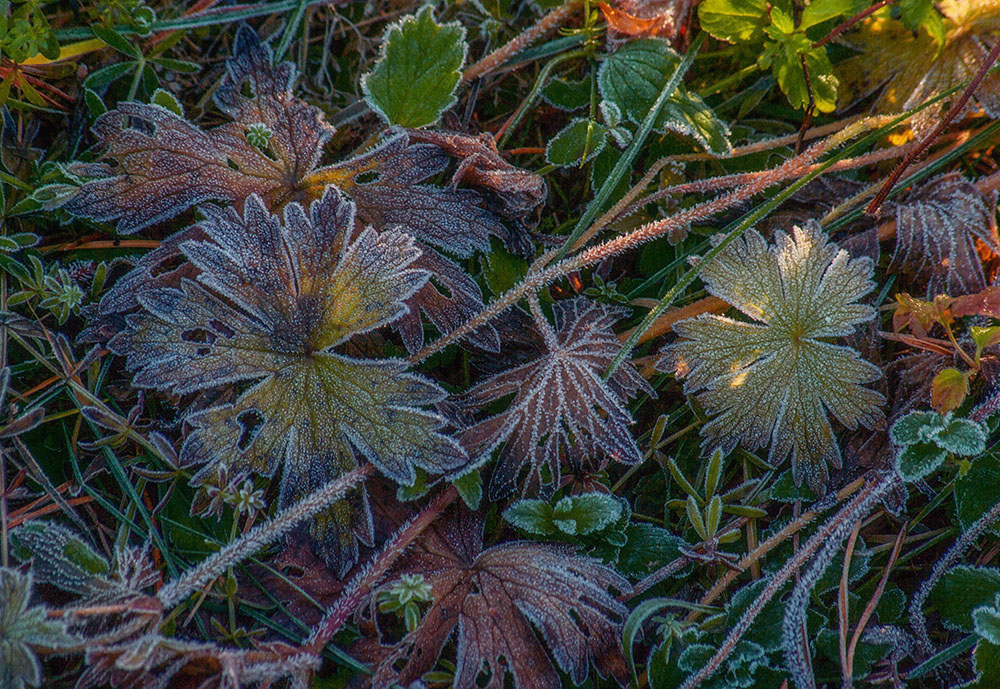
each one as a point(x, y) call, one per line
point(936, 232)
point(22, 627)
point(164, 165)
point(773, 381)
point(559, 399)
point(497, 598)
point(272, 301)
point(913, 70)
point(418, 70)
point(644, 18)
point(632, 78)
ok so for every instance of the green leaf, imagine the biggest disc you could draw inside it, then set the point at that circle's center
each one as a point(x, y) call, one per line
point(167, 100)
point(734, 20)
point(106, 75)
point(916, 427)
point(470, 488)
point(533, 516)
point(418, 70)
point(975, 492)
point(632, 78)
point(986, 621)
point(822, 84)
point(987, 664)
point(962, 437)
point(576, 143)
point(575, 515)
point(567, 95)
point(117, 41)
point(819, 11)
point(60, 557)
point(773, 381)
point(962, 590)
point(646, 549)
point(920, 460)
point(917, 14)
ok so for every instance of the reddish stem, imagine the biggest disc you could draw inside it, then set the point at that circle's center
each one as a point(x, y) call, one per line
point(883, 193)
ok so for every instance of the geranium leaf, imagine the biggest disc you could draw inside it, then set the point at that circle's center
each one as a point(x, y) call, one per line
point(772, 382)
point(417, 71)
point(497, 598)
point(559, 400)
point(271, 302)
point(386, 183)
point(164, 165)
point(936, 232)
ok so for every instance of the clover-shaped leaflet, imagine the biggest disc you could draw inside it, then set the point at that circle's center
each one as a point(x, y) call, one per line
point(773, 381)
point(271, 302)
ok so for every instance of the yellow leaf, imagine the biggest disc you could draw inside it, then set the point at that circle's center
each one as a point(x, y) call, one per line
point(949, 390)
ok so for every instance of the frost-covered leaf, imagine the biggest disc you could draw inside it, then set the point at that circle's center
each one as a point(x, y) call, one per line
point(417, 71)
point(60, 557)
point(936, 233)
point(387, 184)
point(164, 165)
point(986, 622)
point(559, 400)
point(632, 78)
point(22, 627)
point(919, 461)
point(271, 303)
point(573, 515)
point(510, 191)
point(773, 382)
point(962, 590)
point(500, 599)
point(576, 143)
point(912, 68)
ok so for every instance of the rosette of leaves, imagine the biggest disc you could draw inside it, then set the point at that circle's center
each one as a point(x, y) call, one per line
point(559, 400)
point(272, 301)
point(774, 381)
point(23, 627)
point(925, 439)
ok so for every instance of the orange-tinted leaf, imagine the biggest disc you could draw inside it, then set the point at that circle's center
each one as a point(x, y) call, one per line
point(949, 389)
point(645, 18)
point(985, 303)
point(909, 69)
point(560, 400)
point(918, 315)
point(500, 599)
point(936, 232)
point(164, 165)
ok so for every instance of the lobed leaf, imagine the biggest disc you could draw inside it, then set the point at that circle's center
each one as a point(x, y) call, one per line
point(560, 400)
point(497, 598)
point(937, 229)
point(774, 381)
point(270, 303)
point(159, 164)
point(909, 68)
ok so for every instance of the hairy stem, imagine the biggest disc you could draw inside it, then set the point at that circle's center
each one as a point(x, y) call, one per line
point(872, 491)
point(499, 56)
point(260, 536)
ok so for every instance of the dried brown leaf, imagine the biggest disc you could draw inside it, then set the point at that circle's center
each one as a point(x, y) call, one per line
point(936, 233)
point(497, 598)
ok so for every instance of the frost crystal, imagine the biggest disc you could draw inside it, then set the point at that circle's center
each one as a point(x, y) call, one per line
point(772, 382)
